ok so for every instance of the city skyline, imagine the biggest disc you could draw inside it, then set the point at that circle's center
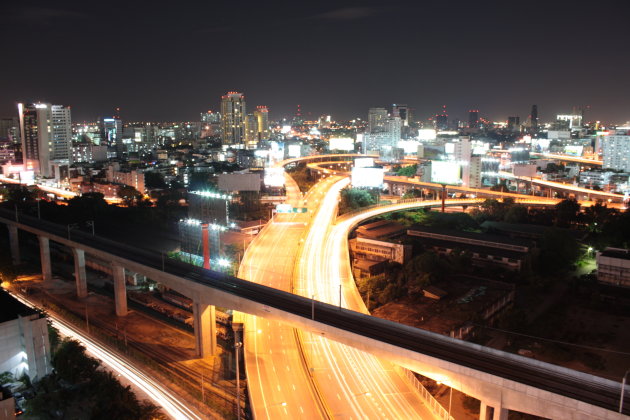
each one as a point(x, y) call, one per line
point(338, 59)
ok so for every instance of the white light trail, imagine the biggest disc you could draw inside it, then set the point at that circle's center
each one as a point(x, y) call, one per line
point(161, 396)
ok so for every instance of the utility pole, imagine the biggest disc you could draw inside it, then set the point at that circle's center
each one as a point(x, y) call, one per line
point(237, 347)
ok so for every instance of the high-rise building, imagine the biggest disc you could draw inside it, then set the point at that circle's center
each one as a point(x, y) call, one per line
point(10, 129)
point(441, 120)
point(46, 135)
point(210, 117)
point(533, 119)
point(112, 132)
point(401, 111)
point(377, 118)
point(61, 133)
point(262, 116)
point(473, 118)
point(251, 131)
point(233, 113)
point(513, 123)
point(616, 150)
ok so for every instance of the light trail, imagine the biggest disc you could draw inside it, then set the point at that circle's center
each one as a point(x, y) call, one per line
point(161, 396)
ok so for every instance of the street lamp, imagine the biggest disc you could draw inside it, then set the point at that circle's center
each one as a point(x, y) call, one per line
point(70, 227)
point(237, 346)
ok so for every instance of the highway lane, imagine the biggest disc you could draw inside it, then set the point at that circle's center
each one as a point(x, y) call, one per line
point(357, 384)
point(278, 383)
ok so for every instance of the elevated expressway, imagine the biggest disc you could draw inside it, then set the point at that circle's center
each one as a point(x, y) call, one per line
point(507, 381)
point(408, 183)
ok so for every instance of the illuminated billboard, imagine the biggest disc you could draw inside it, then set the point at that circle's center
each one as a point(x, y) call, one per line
point(274, 177)
point(363, 162)
point(295, 150)
point(446, 172)
point(409, 146)
point(426, 134)
point(341, 143)
point(367, 177)
point(573, 150)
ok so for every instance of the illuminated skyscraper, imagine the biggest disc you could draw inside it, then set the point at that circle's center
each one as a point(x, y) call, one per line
point(46, 135)
point(262, 116)
point(61, 133)
point(377, 117)
point(616, 150)
point(112, 132)
point(233, 113)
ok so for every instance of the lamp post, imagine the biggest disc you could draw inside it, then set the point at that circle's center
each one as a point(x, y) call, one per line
point(237, 346)
point(70, 227)
point(623, 390)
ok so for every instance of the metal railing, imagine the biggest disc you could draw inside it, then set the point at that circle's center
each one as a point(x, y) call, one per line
point(430, 401)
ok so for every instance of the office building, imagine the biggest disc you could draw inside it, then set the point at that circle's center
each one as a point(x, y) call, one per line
point(514, 123)
point(112, 132)
point(262, 117)
point(616, 150)
point(61, 133)
point(233, 113)
point(10, 129)
point(401, 111)
point(533, 119)
point(35, 129)
point(377, 117)
point(473, 118)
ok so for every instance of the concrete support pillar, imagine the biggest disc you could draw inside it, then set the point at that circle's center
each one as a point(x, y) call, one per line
point(120, 290)
point(484, 411)
point(205, 325)
point(80, 275)
point(500, 413)
point(15, 244)
point(44, 253)
point(487, 412)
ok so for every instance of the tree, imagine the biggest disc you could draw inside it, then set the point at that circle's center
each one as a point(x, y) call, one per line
point(567, 212)
point(72, 364)
point(413, 193)
point(516, 214)
point(408, 171)
point(355, 198)
point(153, 179)
point(129, 194)
point(558, 250)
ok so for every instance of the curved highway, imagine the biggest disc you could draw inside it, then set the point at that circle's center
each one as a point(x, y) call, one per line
point(594, 390)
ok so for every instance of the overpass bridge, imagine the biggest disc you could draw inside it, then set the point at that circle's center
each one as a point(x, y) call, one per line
point(502, 380)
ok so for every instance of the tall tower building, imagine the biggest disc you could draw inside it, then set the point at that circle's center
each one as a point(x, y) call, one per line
point(262, 116)
point(112, 132)
point(61, 133)
point(401, 111)
point(377, 117)
point(616, 151)
point(44, 136)
point(233, 113)
point(473, 118)
point(533, 118)
point(251, 131)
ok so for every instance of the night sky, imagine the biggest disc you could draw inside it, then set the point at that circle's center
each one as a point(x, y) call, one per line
point(171, 61)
